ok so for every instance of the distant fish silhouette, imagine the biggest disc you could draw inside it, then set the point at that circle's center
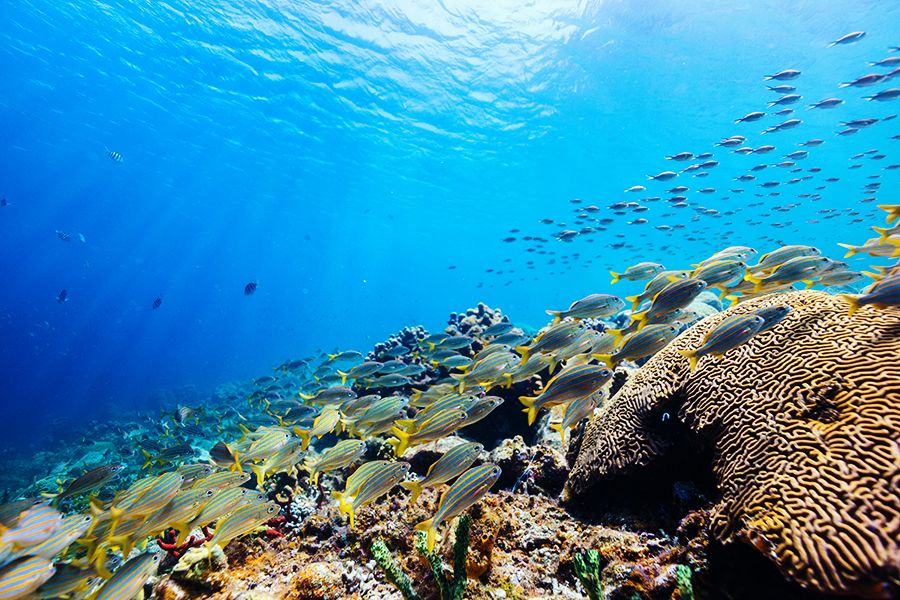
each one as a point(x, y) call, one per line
point(250, 288)
point(4, 202)
point(62, 297)
point(113, 155)
point(849, 38)
point(157, 303)
point(62, 235)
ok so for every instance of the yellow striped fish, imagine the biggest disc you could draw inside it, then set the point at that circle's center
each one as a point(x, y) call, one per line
point(71, 529)
point(283, 460)
point(221, 504)
point(440, 425)
point(574, 413)
point(468, 489)
point(378, 483)
point(243, 520)
point(130, 578)
point(68, 579)
point(451, 464)
point(336, 457)
point(569, 384)
point(728, 334)
point(20, 578)
point(329, 420)
point(36, 525)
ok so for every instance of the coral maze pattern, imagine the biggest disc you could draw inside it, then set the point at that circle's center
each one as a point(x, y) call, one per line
point(804, 425)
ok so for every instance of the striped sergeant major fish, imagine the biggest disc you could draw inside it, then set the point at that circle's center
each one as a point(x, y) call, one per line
point(468, 489)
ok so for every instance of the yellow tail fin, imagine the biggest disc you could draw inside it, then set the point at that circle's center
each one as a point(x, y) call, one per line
point(873, 276)
point(148, 461)
point(414, 488)
point(617, 335)
point(691, 355)
point(640, 318)
point(850, 250)
point(429, 529)
point(893, 213)
point(343, 376)
point(606, 358)
point(562, 432)
point(524, 352)
point(345, 506)
point(303, 434)
point(530, 409)
point(260, 472)
point(557, 316)
point(853, 301)
point(756, 281)
point(616, 277)
point(635, 301)
point(401, 443)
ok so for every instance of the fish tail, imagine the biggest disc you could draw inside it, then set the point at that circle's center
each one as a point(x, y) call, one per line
point(616, 334)
point(414, 488)
point(732, 299)
point(345, 505)
point(332, 356)
point(853, 301)
point(431, 533)
point(873, 276)
point(343, 376)
point(431, 346)
point(530, 409)
point(691, 355)
point(148, 459)
point(892, 214)
point(808, 283)
point(236, 466)
point(635, 301)
point(606, 358)
point(405, 424)
point(562, 432)
point(640, 318)
point(401, 443)
point(303, 434)
point(850, 250)
point(616, 277)
point(260, 472)
point(305, 396)
point(557, 316)
point(524, 352)
point(882, 233)
point(756, 281)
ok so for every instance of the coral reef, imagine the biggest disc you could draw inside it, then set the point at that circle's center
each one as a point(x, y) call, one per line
point(801, 423)
point(474, 321)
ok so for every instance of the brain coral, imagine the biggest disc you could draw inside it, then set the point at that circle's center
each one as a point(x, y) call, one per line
point(803, 423)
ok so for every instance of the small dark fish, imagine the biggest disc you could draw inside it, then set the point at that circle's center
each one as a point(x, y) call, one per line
point(826, 103)
point(781, 89)
point(250, 288)
point(90, 480)
point(113, 155)
point(813, 142)
point(786, 99)
point(786, 75)
point(62, 297)
point(750, 117)
point(63, 235)
point(681, 156)
point(156, 303)
point(4, 202)
point(886, 62)
point(888, 94)
point(849, 38)
point(865, 80)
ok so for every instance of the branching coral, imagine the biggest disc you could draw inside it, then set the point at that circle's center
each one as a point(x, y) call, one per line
point(803, 423)
point(454, 589)
point(588, 567)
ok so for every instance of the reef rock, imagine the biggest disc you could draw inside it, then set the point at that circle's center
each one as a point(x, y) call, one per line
point(802, 423)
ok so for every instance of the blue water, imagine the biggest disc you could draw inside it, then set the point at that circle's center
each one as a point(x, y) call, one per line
point(346, 154)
